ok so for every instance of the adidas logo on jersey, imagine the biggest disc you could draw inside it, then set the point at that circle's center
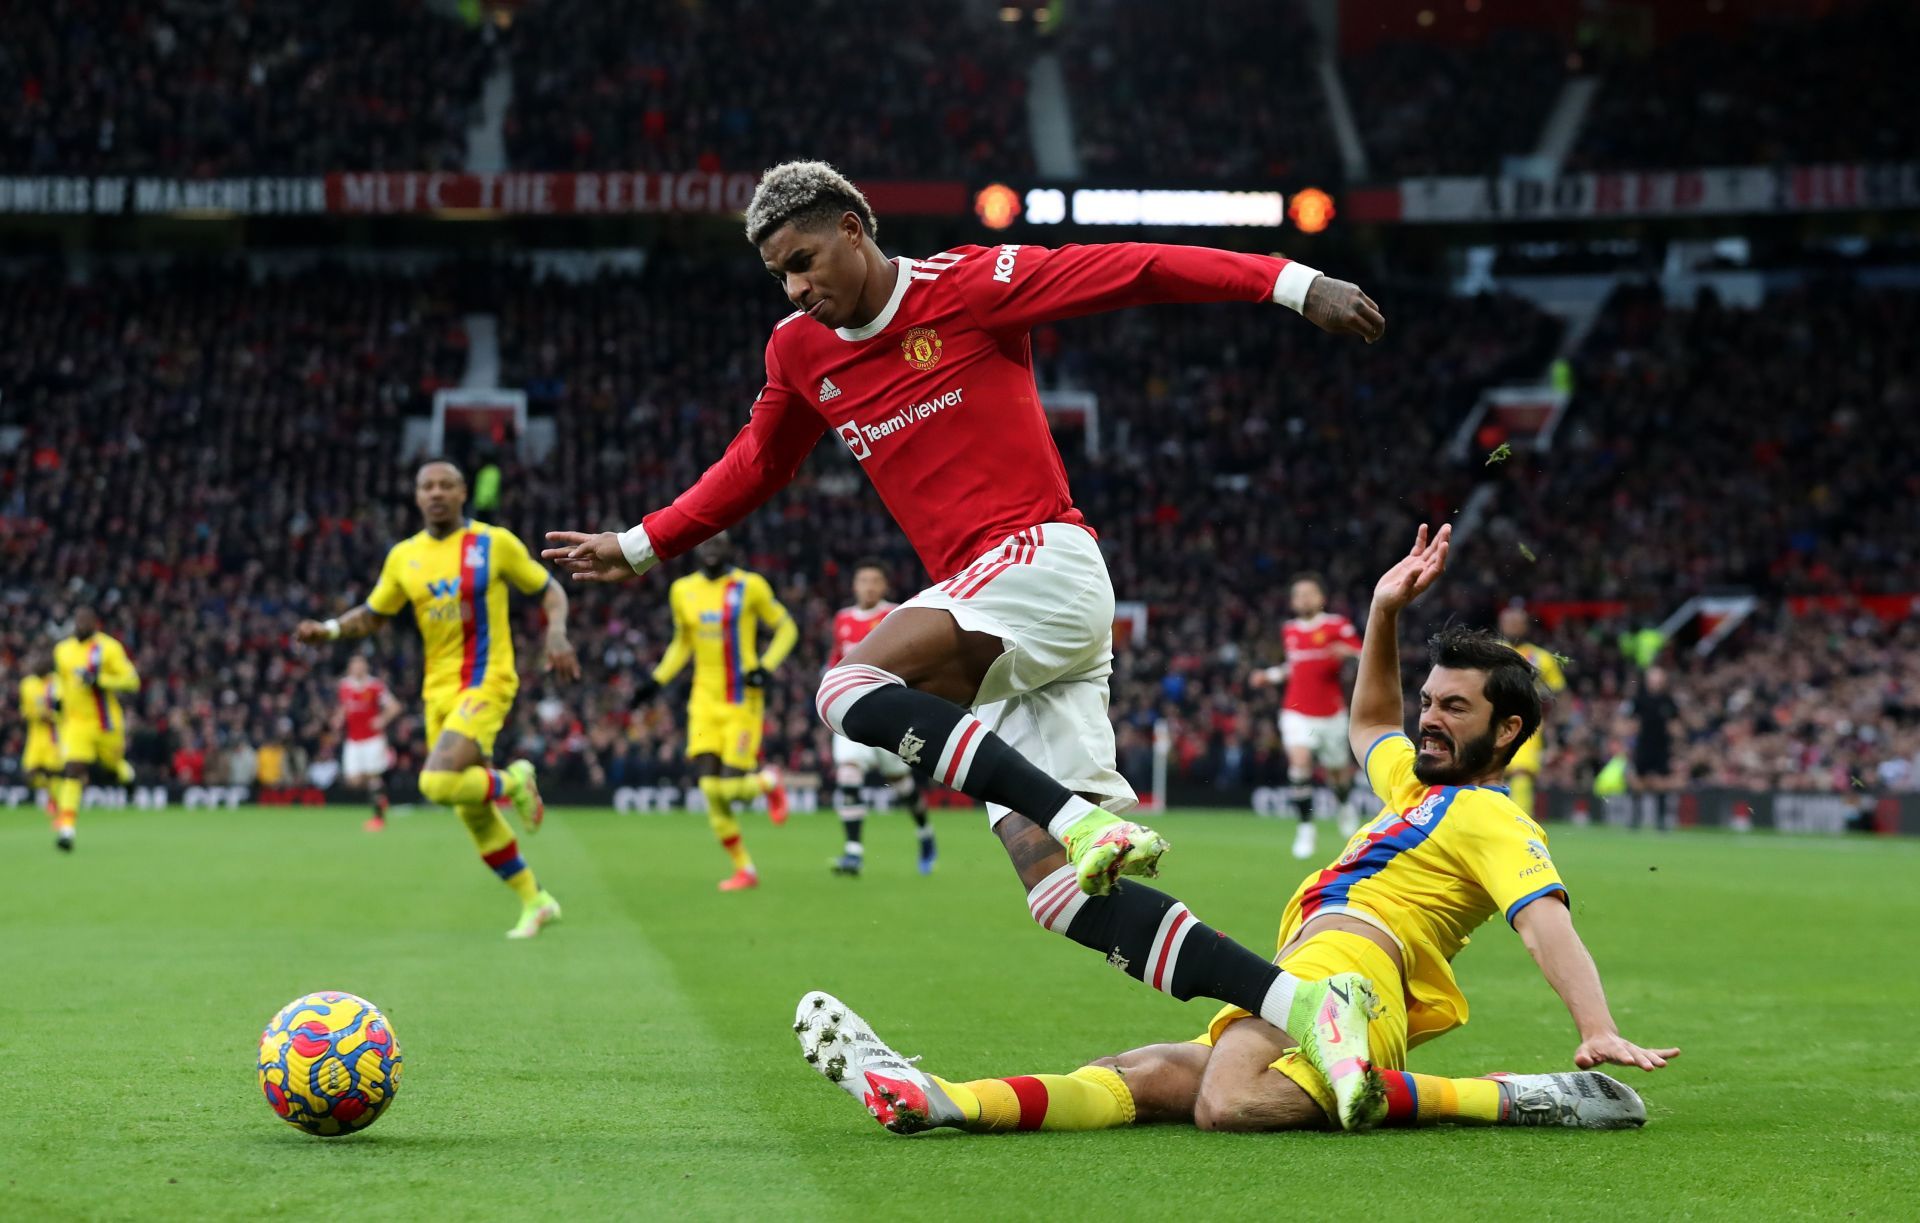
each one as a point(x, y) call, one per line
point(828, 390)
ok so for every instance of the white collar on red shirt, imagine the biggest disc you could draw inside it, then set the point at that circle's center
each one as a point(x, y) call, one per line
point(1313, 621)
point(880, 320)
point(867, 613)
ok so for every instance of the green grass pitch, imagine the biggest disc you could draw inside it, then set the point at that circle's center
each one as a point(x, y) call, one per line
point(636, 1062)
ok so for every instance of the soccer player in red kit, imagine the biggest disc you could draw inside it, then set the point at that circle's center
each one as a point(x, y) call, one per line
point(853, 761)
point(994, 680)
point(1313, 714)
point(366, 707)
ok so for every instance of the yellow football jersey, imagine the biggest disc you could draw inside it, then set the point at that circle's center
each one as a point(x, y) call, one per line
point(1545, 663)
point(37, 707)
point(458, 588)
point(717, 623)
point(93, 673)
point(1432, 866)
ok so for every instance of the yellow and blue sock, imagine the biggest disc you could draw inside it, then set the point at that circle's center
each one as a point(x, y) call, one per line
point(1091, 1098)
point(498, 849)
point(473, 784)
point(721, 793)
point(1425, 1099)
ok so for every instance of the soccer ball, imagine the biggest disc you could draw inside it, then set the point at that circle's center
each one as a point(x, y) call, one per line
point(329, 1063)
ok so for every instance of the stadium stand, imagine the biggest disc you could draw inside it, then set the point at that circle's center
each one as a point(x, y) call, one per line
point(181, 89)
point(1769, 95)
point(1422, 108)
point(898, 90)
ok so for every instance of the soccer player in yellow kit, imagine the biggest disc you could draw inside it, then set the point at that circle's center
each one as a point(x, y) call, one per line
point(1523, 771)
point(41, 761)
point(1449, 851)
point(455, 574)
point(718, 613)
point(93, 671)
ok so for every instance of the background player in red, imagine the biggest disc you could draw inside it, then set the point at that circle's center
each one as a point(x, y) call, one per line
point(366, 707)
point(1313, 714)
point(852, 762)
point(994, 680)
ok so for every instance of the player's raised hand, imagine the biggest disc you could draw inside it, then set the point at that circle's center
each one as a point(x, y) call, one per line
point(1340, 307)
point(589, 558)
point(1416, 571)
point(1616, 1050)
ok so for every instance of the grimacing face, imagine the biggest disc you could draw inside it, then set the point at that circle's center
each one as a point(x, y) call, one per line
point(1457, 742)
point(820, 269)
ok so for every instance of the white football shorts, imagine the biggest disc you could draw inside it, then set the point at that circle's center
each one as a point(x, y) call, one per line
point(1045, 592)
point(365, 757)
point(1325, 737)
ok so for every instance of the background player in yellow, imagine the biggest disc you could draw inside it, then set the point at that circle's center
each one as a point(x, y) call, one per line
point(1449, 851)
point(718, 613)
point(1523, 772)
point(93, 670)
point(455, 574)
point(40, 761)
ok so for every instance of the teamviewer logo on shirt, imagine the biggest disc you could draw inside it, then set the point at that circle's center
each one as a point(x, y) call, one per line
point(856, 441)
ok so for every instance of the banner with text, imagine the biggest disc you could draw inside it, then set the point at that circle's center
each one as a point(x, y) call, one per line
point(1704, 191)
point(425, 193)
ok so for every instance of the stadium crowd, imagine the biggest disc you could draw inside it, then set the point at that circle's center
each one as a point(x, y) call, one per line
point(184, 89)
point(247, 432)
point(1424, 108)
point(896, 89)
point(1766, 96)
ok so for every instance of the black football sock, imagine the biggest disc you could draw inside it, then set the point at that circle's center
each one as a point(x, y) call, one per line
point(943, 742)
point(1155, 939)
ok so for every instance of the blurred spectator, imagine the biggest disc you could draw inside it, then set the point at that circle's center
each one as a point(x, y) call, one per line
point(1425, 108)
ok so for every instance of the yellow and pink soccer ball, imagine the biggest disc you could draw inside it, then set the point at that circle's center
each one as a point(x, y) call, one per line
point(329, 1063)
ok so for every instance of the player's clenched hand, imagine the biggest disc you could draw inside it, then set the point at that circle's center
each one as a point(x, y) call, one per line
point(589, 558)
point(310, 632)
point(1417, 570)
point(1614, 1049)
point(1340, 307)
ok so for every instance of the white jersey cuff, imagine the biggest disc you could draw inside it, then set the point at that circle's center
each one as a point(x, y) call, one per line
point(1290, 287)
point(638, 549)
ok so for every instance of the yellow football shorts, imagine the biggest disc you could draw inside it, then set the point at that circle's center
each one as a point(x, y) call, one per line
point(1322, 956)
point(731, 732)
point(42, 754)
point(473, 713)
point(81, 743)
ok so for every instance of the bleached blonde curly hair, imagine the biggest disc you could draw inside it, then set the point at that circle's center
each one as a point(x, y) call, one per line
point(806, 193)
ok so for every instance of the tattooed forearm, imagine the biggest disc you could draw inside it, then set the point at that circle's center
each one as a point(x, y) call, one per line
point(1034, 852)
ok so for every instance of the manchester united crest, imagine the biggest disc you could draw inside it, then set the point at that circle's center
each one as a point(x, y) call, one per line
point(921, 348)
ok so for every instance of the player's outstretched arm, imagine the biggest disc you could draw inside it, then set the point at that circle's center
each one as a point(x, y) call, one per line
point(759, 462)
point(1546, 927)
point(362, 621)
point(1378, 708)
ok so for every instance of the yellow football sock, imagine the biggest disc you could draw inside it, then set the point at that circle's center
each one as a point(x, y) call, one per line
point(1091, 1098)
point(726, 828)
point(498, 849)
point(1424, 1099)
point(473, 784)
point(66, 797)
point(1520, 788)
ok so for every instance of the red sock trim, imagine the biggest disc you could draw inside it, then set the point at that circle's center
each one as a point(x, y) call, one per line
point(505, 854)
point(729, 842)
point(1403, 1102)
point(1032, 1094)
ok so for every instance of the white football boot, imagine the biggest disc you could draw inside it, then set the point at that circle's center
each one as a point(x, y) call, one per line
point(1584, 1100)
point(1303, 841)
point(840, 1045)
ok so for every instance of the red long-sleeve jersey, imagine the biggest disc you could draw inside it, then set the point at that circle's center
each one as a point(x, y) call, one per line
point(935, 397)
point(851, 626)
